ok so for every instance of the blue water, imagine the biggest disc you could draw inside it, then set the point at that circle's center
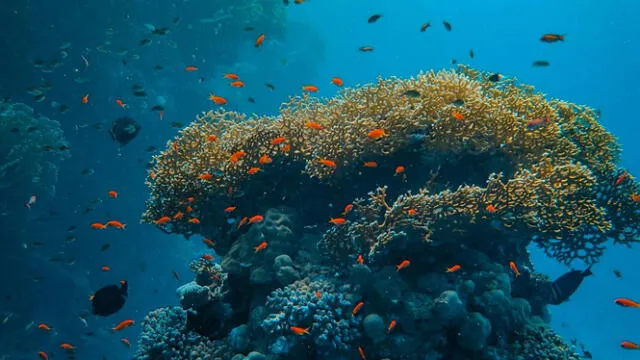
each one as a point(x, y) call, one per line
point(596, 65)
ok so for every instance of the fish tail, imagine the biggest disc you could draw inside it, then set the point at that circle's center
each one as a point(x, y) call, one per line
point(587, 271)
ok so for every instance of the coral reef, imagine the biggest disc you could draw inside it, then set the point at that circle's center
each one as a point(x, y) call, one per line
point(391, 220)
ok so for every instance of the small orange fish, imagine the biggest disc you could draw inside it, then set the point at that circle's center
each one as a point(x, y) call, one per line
point(256, 219)
point(627, 303)
point(399, 170)
point(347, 209)
point(259, 40)
point(357, 308)
point(453, 268)
point(314, 125)
point(376, 134)
point(116, 224)
point(194, 220)
point(236, 156)
point(261, 246)
point(242, 221)
point(370, 164)
point(412, 212)
point(337, 81)
point(635, 198)
point(229, 209)
point(329, 163)
point(391, 326)
point(457, 115)
point(121, 103)
point(67, 346)
point(337, 221)
point(360, 259)
point(212, 138)
point(361, 353)
point(123, 325)
point(278, 140)
point(254, 170)
point(514, 268)
point(105, 268)
point(621, 178)
point(210, 244)
point(44, 327)
point(286, 148)
point(190, 68)
point(403, 265)
point(490, 208)
point(265, 159)
point(550, 38)
point(218, 100)
point(231, 76)
point(318, 294)
point(113, 194)
point(629, 345)
point(178, 216)
point(188, 209)
point(126, 342)
point(207, 257)
point(299, 331)
point(85, 99)
point(310, 88)
point(205, 176)
point(98, 226)
point(43, 355)
point(237, 83)
point(162, 220)
point(190, 199)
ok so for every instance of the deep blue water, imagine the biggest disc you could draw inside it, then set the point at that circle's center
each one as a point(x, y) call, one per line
point(596, 66)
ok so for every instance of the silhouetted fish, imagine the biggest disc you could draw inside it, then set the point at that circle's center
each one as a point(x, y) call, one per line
point(110, 299)
point(564, 286)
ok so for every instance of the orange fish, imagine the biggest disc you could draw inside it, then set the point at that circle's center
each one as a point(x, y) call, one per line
point(190, 68)
point(265, 159)
point(357, 308)
point(161, 114)
point(370, 164)
point(190, 199)
point(329, 163)
point(490, 208)
point(261, 246)
point(337, 81)
point(259, 40)
point(360, 259)
point(376, 134)
point(121, 103)
point(210, 244)
point(126, 342)
point(231, 76)
point(391, 326)
point(457, 115)
point(361, 352)
point(412, 212)
point(537, 123)
point(310, 88)
point(403, 264)
point(207, 257)
point(514, 268)
point(205, 176)
point(347, 209)
point(286, 148)
point(113, 194)
point(229, 209)
point(635, 198)
point(123, 325)
point(236, 156)
point(162, 220)
point(256, 219)
point(318, 294)
point(85, 99)
point(116, 224)
point(242, 221)
point(98, 226)
point(627, 303)
point(629, 345)
point(218, 100)
point(621, 178)
point(399, 170)
point(299, 331)
point(237, 83)
point(194, 220)
point(551, 38)
point(314, 125)
point(278, 140)
point(254, 170)
point(67, 346)
point(179, 215)
point(212, 138)
point(105, 268)
point(453, 268)
point(337, 221)
point(43, 355)
point(44, 327)
point(188, 209)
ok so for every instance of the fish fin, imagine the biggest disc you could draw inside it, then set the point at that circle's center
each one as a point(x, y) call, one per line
point(587, 271)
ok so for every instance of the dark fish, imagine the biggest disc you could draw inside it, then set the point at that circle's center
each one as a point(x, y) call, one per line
point(472, 54)
point(447, 25)
point(251, 100)
point(366, 48)
point(71, 228)
point(87, 171)
point(39, 98)
point(285, 2)
point(201, 80)
point(564, 286)
point(250, 28)
point(551, 38)
point(110, 299)
point(137, 87)
point(157, 108)
point(373, 18)
point(160, 31)
point(541, 63)
point(151, 148)
point(424, 27)
point(458, 102)
point(63, 147)
point(15, 130)
point(31, 129)
point(617, 273)
point(105, 247)
point(158, 67)
point(47, 148)
point(411, 93)
point(495, 77)
point(175, 275)
point(270, 86)
point(145, 42)
point(124, 129)
point(454, 61)
point(140, 93)
point(177, 125)
point(70, 238)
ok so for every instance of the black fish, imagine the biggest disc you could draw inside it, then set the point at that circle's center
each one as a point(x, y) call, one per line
point(472, 54)
point(564, 286)
point(374, 18)
point(424, 27)
point(105, 247)
point(447, 25)
point(270, 86)
point(110, 299)
point(251, 100)
point(617, 273)
point(124, 129)
point(411, 93)
point(495, 77)
point(541, 63)
point(145, 42)
point(366, 48)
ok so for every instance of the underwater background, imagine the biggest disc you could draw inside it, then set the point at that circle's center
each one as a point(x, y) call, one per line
point(83, 65)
